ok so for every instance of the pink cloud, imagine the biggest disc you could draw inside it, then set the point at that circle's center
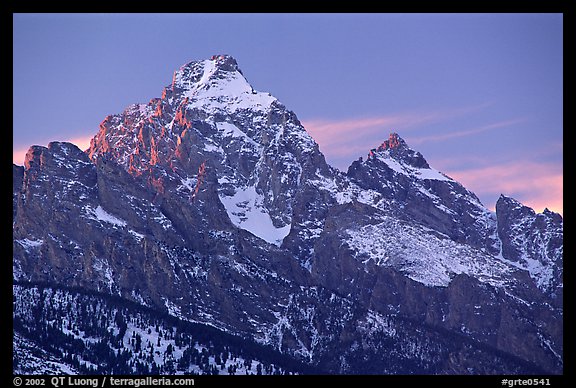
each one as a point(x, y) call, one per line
point(538, 185)
point(326, 127)
point(335, 136)
point(354, 137)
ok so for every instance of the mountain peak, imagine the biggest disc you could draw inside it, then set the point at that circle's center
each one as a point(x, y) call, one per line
point(203, 74)
point(508, 204)
point(225, 62)
point(396, 148)
point(394, 141)
point(215, 84)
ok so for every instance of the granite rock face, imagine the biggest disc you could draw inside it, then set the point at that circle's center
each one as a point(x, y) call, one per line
point(533, 242)
point(214, 204)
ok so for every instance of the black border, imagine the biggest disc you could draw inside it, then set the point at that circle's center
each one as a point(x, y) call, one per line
point(566, 7)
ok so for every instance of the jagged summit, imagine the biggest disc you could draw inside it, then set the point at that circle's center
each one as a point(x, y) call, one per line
point(394, 157)
point(216, 85)
point(211, 124)
point(416, 191)
point(394, 141)
point(512, 204)
point(226, 62)
point(206, 91)
point(204, 71)
point(395, 147)
point(194, 71)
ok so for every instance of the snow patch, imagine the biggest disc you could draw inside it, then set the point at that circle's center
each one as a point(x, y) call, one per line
point(137, 236)
point(230, 130)
point(246, 210)
point(424, 255)
point(100, 214)
point(189, 183)
point(543, 274)
point(212, 148)
point(417, 173)
point(103, 267)
point(30, 244)
point(172, 308)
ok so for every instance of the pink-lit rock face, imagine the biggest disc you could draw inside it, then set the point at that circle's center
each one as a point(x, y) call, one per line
point(200, 179)
point(180, 117)
point(397, 148)
point(392, 142)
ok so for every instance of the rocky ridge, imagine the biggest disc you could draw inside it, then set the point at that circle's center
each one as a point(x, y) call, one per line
point(214, 204)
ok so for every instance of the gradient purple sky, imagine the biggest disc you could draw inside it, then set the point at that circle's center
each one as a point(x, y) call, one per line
point(479, 95)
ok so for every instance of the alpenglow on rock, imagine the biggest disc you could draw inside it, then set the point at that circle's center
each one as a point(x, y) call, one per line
point(213, 205)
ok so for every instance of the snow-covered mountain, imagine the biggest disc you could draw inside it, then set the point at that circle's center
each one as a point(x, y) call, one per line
point(213, 204)
point(210, 119)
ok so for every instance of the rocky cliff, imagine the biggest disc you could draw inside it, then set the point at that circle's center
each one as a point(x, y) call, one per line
point(212, 203)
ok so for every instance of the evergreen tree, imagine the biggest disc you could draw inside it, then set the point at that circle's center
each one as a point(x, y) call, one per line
point(138, 343)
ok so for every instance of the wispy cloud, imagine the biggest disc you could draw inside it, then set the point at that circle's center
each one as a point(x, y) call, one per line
point(354, 136)
point(334, 132)
point(19, 154)
point(464, 133)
